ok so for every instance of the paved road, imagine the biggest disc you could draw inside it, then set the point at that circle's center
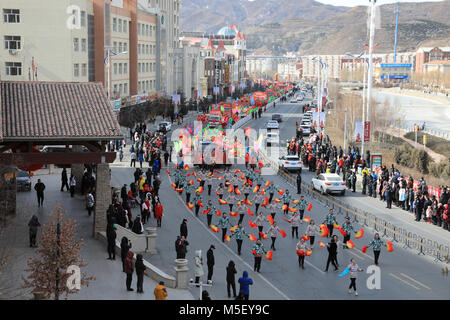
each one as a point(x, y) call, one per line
point(418, 110)
point(403, 274)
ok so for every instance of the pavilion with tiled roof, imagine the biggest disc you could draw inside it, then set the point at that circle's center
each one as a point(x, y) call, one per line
point(55, 113)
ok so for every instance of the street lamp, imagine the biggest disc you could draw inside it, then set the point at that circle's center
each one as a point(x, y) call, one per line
point(109, 54)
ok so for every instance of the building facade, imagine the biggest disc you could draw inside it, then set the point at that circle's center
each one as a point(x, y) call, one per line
point(425, 55)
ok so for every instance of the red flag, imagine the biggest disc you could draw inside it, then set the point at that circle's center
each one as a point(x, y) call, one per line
point(198, 179)
point(179, 190)
point(191, 182)
point(220, 178)
point(216, 171)
point(359, 234)
point(263, 192)
point(237, 191)
point(236, 171)
point(200, 189)
point(283, 233)
point(300, 253)
point(266, 201)
point(323, 231)
point(284, 207)
point(173, 185)
point(260, 164)
point(255, 189)
point(195, 174)
point(242, 176)
point(250, 183)
point(230, 188)
point(270, 218)
point(295, 201)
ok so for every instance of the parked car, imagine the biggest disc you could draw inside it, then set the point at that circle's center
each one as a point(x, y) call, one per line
point(291, 162)
point(165, 124)
point(329, 183)
point(272, 124)
point(294, 100)
point(306, 129)
point(23, 181)
point(276, 116)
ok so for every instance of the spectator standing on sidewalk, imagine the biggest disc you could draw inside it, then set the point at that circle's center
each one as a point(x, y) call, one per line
point(129, 268)
point(210, 262)
point(40, 187)
point(231, 282)
point(72, 185)
point(64, 180)
point(140, 269)
point(244, 283)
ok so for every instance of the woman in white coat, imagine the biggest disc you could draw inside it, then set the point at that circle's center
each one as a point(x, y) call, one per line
point(198, 270)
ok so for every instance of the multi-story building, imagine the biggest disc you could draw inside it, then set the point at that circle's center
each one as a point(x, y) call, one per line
point(168, 31)
point(333, 65)
point(425, 55)
point(41, 41)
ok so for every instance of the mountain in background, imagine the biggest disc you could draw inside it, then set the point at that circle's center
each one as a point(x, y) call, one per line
point(309, 27)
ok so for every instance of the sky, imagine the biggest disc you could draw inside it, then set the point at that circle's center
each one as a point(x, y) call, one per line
point(352, 3)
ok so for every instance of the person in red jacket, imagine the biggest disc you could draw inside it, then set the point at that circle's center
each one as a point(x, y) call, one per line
point(158, 213)
point(129, 268)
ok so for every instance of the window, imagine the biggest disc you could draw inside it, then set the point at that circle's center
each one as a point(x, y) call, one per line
point(148, 67)
point(12, 42)
point(125, 68)
point(120, 89)
point(75, 44)
point(125, 46)
point(115, 88)
point(11, 15)
point(120, 68)
point(83, 45)
point(125, 88)
point(139, 49)
point(84, 70)
point(148, 30)
point(139, 29)
point(114, 24)
point(139, 86)
point(147, 49)
point(120, 25)
point(115, 46)
point(151, 31)
point(76, 70)
point(83, 18)
point(13, 68)
point(115, 68)
point(139, 68)
point(125, 23)
point(120, 47)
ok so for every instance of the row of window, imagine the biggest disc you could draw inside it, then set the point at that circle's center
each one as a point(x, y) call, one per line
point(76, 70)
point(120, 25)
point(146, 86)
point(76, 45)
point(146, 49)
point(146, 67)
point(121, 89)
point(146, 30)
point(120, 46)
point(120, 68)
point(13, 68)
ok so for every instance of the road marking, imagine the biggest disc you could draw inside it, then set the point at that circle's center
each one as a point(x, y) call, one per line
point(229, 249)
point(406, 282)
point(419, 283)
point(357, 255)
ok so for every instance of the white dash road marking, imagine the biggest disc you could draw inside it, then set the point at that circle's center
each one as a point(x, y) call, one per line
point(406, 282)
point(419, 283)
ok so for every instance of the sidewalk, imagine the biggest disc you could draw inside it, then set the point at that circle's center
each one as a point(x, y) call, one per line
point(110, 280)
point(434, 155)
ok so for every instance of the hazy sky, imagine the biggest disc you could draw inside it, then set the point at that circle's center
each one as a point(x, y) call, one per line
point(352, 3)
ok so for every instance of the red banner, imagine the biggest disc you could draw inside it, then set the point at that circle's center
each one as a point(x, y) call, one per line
point(366, 131)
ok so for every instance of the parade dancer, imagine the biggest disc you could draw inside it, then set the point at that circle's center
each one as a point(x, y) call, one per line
point(246, 189)
point(273, 234)
point(271, 189)
point(312, 230)
point(272, 208)
point(286, 199)
point(197, 198)
point(241, 209)
point(231, 199)
point(258, 199)
point(301, 205)
point(188, 188)
point(239, 232)
point(209, 182)
point(212, 209)
point(259, 221)
point(301, 246)
point(220, 190)
point(347, 227)
point(330, 220)
point(294, 221)
point(224, 222)
point(353, 269)
point(258, 251)
point(376, 242)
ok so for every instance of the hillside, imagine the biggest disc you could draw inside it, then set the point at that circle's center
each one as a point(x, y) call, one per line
point(309, 27)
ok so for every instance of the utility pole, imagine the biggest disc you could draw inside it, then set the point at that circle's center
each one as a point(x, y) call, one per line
point(396, 32)
point(371, 45)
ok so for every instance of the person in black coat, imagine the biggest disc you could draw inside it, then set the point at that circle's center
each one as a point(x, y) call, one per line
point(40, 187)
point(231, 282)
point(183, 229)
point(137, 225)
point(332, 254)
point(140, 268)
point(181, 247)
point(123, 193)
point(33, 225)
point(205, 295)
point(125, 246)
point(111, 236)
point(64, 180)
point(210, 261)
point(299, 183)
point(353, 181)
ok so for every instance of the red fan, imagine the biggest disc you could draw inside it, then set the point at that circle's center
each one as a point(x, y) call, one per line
point(206, 211)
point(270, 218)
point(343, 232)
point(218, 213)
point(234, 214)
point(364, 249)
point(283, 233)
point(269, 255)
point(252, 237)
point(190, 205)
point(281, 192)
point(214, 228)
point(252, 224)
point(263, 235)
point(250, 212)
point(310, 207)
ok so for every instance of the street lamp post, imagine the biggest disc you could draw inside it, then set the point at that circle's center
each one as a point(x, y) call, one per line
point(110, 53)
